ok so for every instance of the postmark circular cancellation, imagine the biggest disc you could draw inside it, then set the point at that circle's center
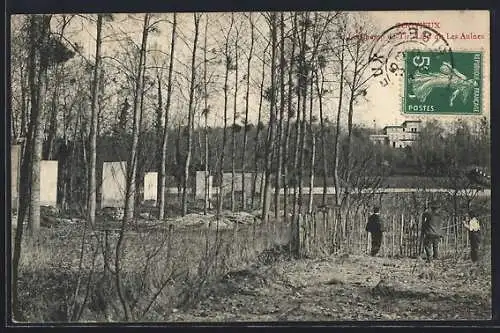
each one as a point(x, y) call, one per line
point(433, 78)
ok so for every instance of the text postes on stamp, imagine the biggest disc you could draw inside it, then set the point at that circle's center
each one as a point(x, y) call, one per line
point(436, 85)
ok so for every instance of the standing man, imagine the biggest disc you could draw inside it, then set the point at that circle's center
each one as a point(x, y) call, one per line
point(431, 231)
point(375, 226)
point(472, 224)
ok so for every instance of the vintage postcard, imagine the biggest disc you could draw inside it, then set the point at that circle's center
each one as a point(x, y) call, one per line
point(250, 167)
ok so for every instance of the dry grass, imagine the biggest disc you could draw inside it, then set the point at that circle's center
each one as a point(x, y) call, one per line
point(161, 270)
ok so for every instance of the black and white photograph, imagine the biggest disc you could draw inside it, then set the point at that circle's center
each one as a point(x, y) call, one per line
point(263, 166)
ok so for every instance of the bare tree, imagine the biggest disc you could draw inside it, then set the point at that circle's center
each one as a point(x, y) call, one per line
point(235, 116)
point(270, 138)
point(303, 77)
point(279, 148)
point(340, 54)
point(190, 114)
point(132, 167)
point(259, 129)
point(247, 102)
point(39, 39)
point(320, 91)
point(163, 165)
point(227, 63)
point(132, 163)
point(295, 220)
point(93, 126)
point(205, 114)
point(54, 107)
point(358, 53)
point(290, 115)
point(44, 52)
point(312, 120)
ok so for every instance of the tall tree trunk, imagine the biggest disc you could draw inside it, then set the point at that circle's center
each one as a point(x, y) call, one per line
point(270, 141)
point(319, 89)
point(132, 165)
point(313, 150)
point(286, 161)
point(206, 204)
point(159, 134)
point(257, 133)
point(247, 103)
point(295, 218)
point(139, 178)
point(178, 173)
point(235, 113)
point(37, 141)
point(304, 75)
point(303, 133)
point(224, 133)
point(163, 166)
point(93, 127)
point(190, 115)
point(30, 168)
point(38, 87)
point(280, 167)
point(336, 154)
point(354, 88)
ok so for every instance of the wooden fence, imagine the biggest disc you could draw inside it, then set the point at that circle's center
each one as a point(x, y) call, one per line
point(330, 232)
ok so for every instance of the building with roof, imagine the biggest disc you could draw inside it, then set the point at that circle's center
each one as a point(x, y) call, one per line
point(398, 136)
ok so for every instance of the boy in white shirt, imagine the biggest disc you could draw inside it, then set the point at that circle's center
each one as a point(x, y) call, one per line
point(472, 224)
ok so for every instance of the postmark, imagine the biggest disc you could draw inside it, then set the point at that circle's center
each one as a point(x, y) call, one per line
point(434, 85)
point(387, 54)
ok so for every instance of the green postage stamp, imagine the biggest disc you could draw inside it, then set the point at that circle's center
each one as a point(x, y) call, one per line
point(437, 82)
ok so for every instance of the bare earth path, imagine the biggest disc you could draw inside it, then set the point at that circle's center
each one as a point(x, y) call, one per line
point(348, 288)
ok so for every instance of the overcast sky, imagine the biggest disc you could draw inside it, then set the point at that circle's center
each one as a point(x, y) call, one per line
point(382, 104)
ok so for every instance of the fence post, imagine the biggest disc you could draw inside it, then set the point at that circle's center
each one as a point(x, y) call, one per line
point(325, 231)
point(455, 232)
point(393, 234)
point(368, 242)
point(361, 233)
point(409, 237)
point(254, 227)
point(334, 237)
point(236, 240)
point(305, 222)
point(467, 238)
point(401, 235)
point(315, 234)
point(414, 251)
point(447, 237)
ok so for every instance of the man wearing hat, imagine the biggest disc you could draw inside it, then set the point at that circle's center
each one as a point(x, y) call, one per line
point(375, 226)
point(431, 231)
point(472, 224)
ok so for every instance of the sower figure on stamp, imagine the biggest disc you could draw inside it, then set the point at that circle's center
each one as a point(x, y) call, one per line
point(431, 231)
point(375, 226)
point(472, 224)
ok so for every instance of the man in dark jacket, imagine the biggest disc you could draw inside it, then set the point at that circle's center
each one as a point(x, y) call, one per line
point(375, 226)
point(431, 231)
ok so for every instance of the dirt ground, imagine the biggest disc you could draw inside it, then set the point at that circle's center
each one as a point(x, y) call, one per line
point(348, 288)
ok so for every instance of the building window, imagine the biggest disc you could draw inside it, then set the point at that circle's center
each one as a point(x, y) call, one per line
point(393, 144)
